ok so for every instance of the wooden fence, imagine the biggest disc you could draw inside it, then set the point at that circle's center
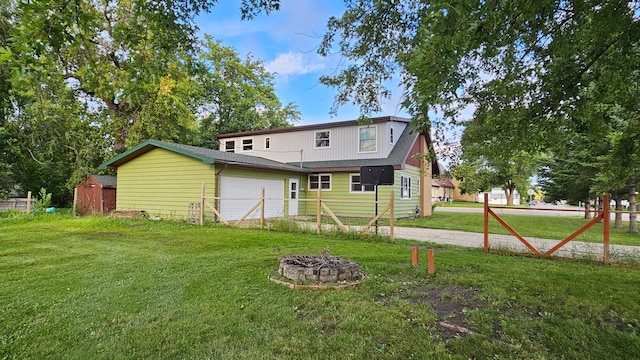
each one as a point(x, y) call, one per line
point(601, 216)
point(321, 207)
point(21, 204)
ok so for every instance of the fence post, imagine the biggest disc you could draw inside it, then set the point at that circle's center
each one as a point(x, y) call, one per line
point(28, 202)
point(262, 209)
point(391, 217)
point(414, 256)
point(75, 201)
point(605, 226)
point(202, 195)
point(486, 222)
point(318, 210)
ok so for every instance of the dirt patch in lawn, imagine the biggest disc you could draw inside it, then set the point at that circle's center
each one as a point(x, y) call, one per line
point(451, 304)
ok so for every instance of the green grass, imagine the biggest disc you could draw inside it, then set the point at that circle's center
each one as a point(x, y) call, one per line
point(97, 288)
point(545, 227)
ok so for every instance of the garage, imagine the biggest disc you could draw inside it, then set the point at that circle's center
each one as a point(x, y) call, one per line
point(241, 194)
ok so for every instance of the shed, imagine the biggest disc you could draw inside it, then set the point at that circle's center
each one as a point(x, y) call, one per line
point(97, 194)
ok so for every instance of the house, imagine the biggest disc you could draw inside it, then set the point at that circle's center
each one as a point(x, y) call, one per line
point(292, 165)
point(442, 190)
point(498, 197)
point(96, 194)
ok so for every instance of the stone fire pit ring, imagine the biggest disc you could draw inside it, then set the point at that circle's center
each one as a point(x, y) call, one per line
point(318, 272)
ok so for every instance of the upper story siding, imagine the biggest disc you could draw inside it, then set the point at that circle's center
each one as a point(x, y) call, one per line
point(308, 143)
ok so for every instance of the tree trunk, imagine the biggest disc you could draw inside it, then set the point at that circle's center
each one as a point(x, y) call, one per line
point(633, 198)
point(587, 208)
point(618, 222)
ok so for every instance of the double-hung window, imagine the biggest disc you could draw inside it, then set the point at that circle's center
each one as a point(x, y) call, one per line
point(247, 144)
point(367, 139)
point(405, 187)
point(230, 146)
point(320, 181)
point(322, 139)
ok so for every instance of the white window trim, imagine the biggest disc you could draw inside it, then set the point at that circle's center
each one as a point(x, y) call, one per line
point(403, 179)
point(242, 144)
point(267, 143)
point(319, 175)
point(228, 142)
point(362, 190)
point(375, 128)
point(315, 138)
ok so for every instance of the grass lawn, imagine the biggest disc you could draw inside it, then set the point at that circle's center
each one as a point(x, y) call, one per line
point(97, 288)
point(545, 227)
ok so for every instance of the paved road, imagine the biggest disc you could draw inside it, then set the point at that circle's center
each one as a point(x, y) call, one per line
point(542, 210)
point(574, 249)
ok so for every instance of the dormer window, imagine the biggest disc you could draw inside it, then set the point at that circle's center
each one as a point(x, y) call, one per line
point(323, 139)
point(367, 139)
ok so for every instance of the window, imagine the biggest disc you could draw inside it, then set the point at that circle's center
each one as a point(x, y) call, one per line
point(356, 186)
point(320, 181)
point(367, 139)
point(323, 139)
point(391, 135)
point(247, 144)
point(230, 146)
point(405, 187)
point(267, 143)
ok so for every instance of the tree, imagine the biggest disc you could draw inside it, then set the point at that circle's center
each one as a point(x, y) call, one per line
point(534, 55)
point(237, 95)
point(134, 58)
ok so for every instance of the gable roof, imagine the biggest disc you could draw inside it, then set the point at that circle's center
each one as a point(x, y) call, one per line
point(376, 120)
point(207, 156)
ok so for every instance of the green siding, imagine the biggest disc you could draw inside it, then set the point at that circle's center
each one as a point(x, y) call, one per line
point(340, 187)
point(163, 184)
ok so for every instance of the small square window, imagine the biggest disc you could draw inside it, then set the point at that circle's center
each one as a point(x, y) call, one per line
point(356, 186)
point(247, 144)
point(230, 146)
point(323, 139)
point(320, 181)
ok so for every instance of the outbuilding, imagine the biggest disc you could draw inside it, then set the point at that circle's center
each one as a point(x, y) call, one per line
point(96, 195)
point(163, 179)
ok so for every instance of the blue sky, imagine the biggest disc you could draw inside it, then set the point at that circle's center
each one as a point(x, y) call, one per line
point(286, 41)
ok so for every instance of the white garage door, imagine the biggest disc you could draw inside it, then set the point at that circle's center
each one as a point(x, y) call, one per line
point(239, 194)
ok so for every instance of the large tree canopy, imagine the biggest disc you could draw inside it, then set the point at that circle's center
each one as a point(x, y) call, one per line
point(531, 57)
point(84, 79)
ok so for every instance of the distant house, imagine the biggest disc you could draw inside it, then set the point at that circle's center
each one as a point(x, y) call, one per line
point(96, 194)
point(292, 164)
point(498, 197)
point(442, 190)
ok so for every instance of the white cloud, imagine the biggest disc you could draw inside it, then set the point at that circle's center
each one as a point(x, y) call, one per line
point(292, 63)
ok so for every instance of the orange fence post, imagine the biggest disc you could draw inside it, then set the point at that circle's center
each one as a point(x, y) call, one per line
point(605, 208)
point(486, 222)
point(414, 256)
point(431, 262)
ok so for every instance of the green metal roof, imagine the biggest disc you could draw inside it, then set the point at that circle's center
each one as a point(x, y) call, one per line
point(207, 156)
